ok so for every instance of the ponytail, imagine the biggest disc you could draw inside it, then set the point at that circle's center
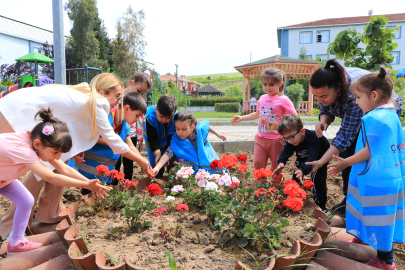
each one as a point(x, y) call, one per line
point(333, 75)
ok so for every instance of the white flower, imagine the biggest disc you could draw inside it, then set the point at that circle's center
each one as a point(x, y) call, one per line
point(235, 180)
point(201, 183)
point(177, 188)
point(215, 177)
point(211, 186)
point(224, 180)
point(202, 175)
point(170, 199)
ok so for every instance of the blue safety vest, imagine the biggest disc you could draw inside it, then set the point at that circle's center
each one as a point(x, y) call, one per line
point(162, 134)
point(200, 157)
point(375, 209)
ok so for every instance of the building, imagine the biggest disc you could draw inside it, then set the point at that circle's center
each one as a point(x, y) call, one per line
point(182, 83)
point(210, 90)
point(316, 36)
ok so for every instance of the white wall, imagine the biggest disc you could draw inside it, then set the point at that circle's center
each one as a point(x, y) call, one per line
point(12, 48)
point(315, 48)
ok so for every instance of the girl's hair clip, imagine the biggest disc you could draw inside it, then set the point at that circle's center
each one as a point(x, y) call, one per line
point(147, 72)
point(48, 130)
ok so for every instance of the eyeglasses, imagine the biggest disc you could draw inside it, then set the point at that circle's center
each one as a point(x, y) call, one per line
point(118, 97)
point(290, 138)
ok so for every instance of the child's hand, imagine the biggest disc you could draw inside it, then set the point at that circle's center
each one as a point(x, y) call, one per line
point(155, 171)
point(281, 141)
point(236, 119)
point(222, 137)
point(146, 168)
point(299, 174)
point(158, 155)
point(315, 165)
point(140, 146)
point(337, 167)
point(98, 190)
point(279, 169)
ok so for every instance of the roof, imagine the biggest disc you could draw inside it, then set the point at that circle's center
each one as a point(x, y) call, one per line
point(34, 56)
point(25, 31)
point(345, 20)
point(279, 59)
point(209, 89)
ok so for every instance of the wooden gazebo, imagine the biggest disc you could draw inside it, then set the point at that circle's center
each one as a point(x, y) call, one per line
point(295, 69)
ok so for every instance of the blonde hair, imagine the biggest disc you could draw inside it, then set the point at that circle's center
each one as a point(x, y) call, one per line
point(104, 81)
point(276, 75)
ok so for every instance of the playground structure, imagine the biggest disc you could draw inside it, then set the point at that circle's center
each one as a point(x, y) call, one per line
point(295, 69)
point(86, 71)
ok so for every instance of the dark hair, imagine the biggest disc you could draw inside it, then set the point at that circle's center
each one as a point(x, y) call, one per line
point(60, 139)
point(167, 105)
point(275, 75)
point(185, 116)
point(141, 77)
point(135, 102)
point(289, 123)
point(333, 75)
point(379, 81)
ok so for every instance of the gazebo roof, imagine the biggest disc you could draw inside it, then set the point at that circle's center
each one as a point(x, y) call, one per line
point(278, 59)
point(34, 56)
point(208, 89)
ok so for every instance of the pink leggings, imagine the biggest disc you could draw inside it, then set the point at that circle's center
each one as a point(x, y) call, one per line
point(265, 149)
point(22, 198)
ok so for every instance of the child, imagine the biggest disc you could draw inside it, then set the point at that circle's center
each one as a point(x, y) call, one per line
point(190, 143)
point(375, 200)
point(270, 109)
point(308, 147)
point(159, 126)
point(140, 83)
point(21, 152)
point(134, 106)
point(136, 135)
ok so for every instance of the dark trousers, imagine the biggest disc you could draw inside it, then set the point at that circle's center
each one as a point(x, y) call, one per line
point(386, 256)
point(346, 172)
point(320, 189)
point(127, 163)
point(171, 165)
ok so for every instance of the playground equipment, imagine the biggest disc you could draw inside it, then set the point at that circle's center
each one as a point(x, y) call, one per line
point(86, 71)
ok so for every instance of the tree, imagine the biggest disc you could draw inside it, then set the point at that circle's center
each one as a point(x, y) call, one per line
point(9, 72)
point(303, 53)
point(234, 91)
point(295, 92)
point(378, 41)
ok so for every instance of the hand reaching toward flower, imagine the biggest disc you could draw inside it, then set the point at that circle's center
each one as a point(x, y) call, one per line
point(337, 167)
point(299, 174)
point(279, 169)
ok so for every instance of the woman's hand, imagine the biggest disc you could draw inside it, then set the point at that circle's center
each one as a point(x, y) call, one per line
point(316, 164)
point(337, 167)
point(98, 190)
point(320, 128)
point(236, 119)
point(279, 169)
point(79, 157)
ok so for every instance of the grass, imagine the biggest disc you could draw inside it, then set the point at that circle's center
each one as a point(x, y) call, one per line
point(213, 76)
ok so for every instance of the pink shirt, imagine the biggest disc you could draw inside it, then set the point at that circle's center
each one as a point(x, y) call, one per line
point(16, 149)
point(271, 110)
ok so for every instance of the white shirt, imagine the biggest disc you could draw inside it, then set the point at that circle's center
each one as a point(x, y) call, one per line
point(19, 109)
point(252, 99)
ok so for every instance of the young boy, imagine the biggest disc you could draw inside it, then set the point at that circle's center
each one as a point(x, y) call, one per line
point(308, 147)
point(159, 126)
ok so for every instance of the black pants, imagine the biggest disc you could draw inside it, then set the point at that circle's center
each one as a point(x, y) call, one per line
point(386, 256)
point(320, 189)
point(346, 172)
point(127, 163)
point(171, 164)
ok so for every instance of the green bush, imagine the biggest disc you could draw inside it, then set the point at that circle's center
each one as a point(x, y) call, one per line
point(295, 93)
point(227, 107)
point(211, 101)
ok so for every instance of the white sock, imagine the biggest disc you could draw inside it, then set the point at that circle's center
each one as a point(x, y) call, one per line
point(14, 242)
point(9, 235)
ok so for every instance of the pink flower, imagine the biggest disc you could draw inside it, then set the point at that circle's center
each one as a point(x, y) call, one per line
point(48, 130)
point(177, 188)
point(139, 131)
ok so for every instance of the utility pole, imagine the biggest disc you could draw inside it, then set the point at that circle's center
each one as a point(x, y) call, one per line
point(177, 66)
point(59, 74)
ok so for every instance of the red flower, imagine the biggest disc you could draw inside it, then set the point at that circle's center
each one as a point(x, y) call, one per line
point(154, 189)
point(234, 184)
point(182, 207)
point(308, 184)
point(102, 170)
point(120, 176)
point(294, 203)
point(112, 173)
point(242, 158)
point(260, 191)
point(159, 211)
point(181, 160)
point(243, 167)
point(262, 173)
point(293, 189)
point(228, 162)
point(214, 164)
point(130, 184)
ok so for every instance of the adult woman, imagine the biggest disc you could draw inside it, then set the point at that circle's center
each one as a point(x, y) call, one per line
point(331, 87)
point(84, 108)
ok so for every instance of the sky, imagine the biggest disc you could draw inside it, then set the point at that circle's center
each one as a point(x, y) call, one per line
point(206, 37)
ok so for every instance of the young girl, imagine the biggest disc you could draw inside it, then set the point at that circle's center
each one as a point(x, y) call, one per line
point(21, 152)
point(133, 107)
point(375, 196)
point(190, 143)
point(140, 83)
point(270, 109)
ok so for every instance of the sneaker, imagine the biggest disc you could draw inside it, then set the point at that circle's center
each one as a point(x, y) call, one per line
point(340, 208)
point(23, 246)
point(377, 263)
point(356, 240)
point(326, 211)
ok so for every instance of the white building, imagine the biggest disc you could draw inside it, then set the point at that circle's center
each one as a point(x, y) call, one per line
point(316, 36)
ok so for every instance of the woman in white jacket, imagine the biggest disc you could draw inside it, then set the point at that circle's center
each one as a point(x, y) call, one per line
point(84, 108)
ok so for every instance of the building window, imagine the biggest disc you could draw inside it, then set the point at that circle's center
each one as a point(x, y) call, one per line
point(396, 58)
point(322, 36)
point(305, 37)
point(397, 33)
point(322, 57)
point(39, 50)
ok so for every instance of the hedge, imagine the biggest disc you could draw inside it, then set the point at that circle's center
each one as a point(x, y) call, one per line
point(211, 101)
point(227, 107)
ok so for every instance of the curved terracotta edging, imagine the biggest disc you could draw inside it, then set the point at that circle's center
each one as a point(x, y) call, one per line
point(336, 262)
point(308, 250)
point(322, 228)
point(284, 262)
point(46, 239)
point(340, 234)
point(71, 236)
point(336, 221)
point(100, 261)
point(141, 184)
point(62, 227)
point(310, 204)
point(130, 266)
point(39, 227)
point(319, 214)
point(240, 266)
point(60, 262)
point(348, 250)
point(82, 262)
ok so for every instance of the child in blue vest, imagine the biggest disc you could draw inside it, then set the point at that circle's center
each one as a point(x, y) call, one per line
point(120, 119)
point(159, 127)
point(190, 143)
point(375, 196)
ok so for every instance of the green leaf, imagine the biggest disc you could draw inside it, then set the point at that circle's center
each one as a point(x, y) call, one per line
point(343, 42)
point(242, 242)
point(148, 224)
point(284, 222)
point(172, 261)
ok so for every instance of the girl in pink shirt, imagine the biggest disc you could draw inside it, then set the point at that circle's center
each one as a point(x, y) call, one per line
point(21, 152)
point(270, 109)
